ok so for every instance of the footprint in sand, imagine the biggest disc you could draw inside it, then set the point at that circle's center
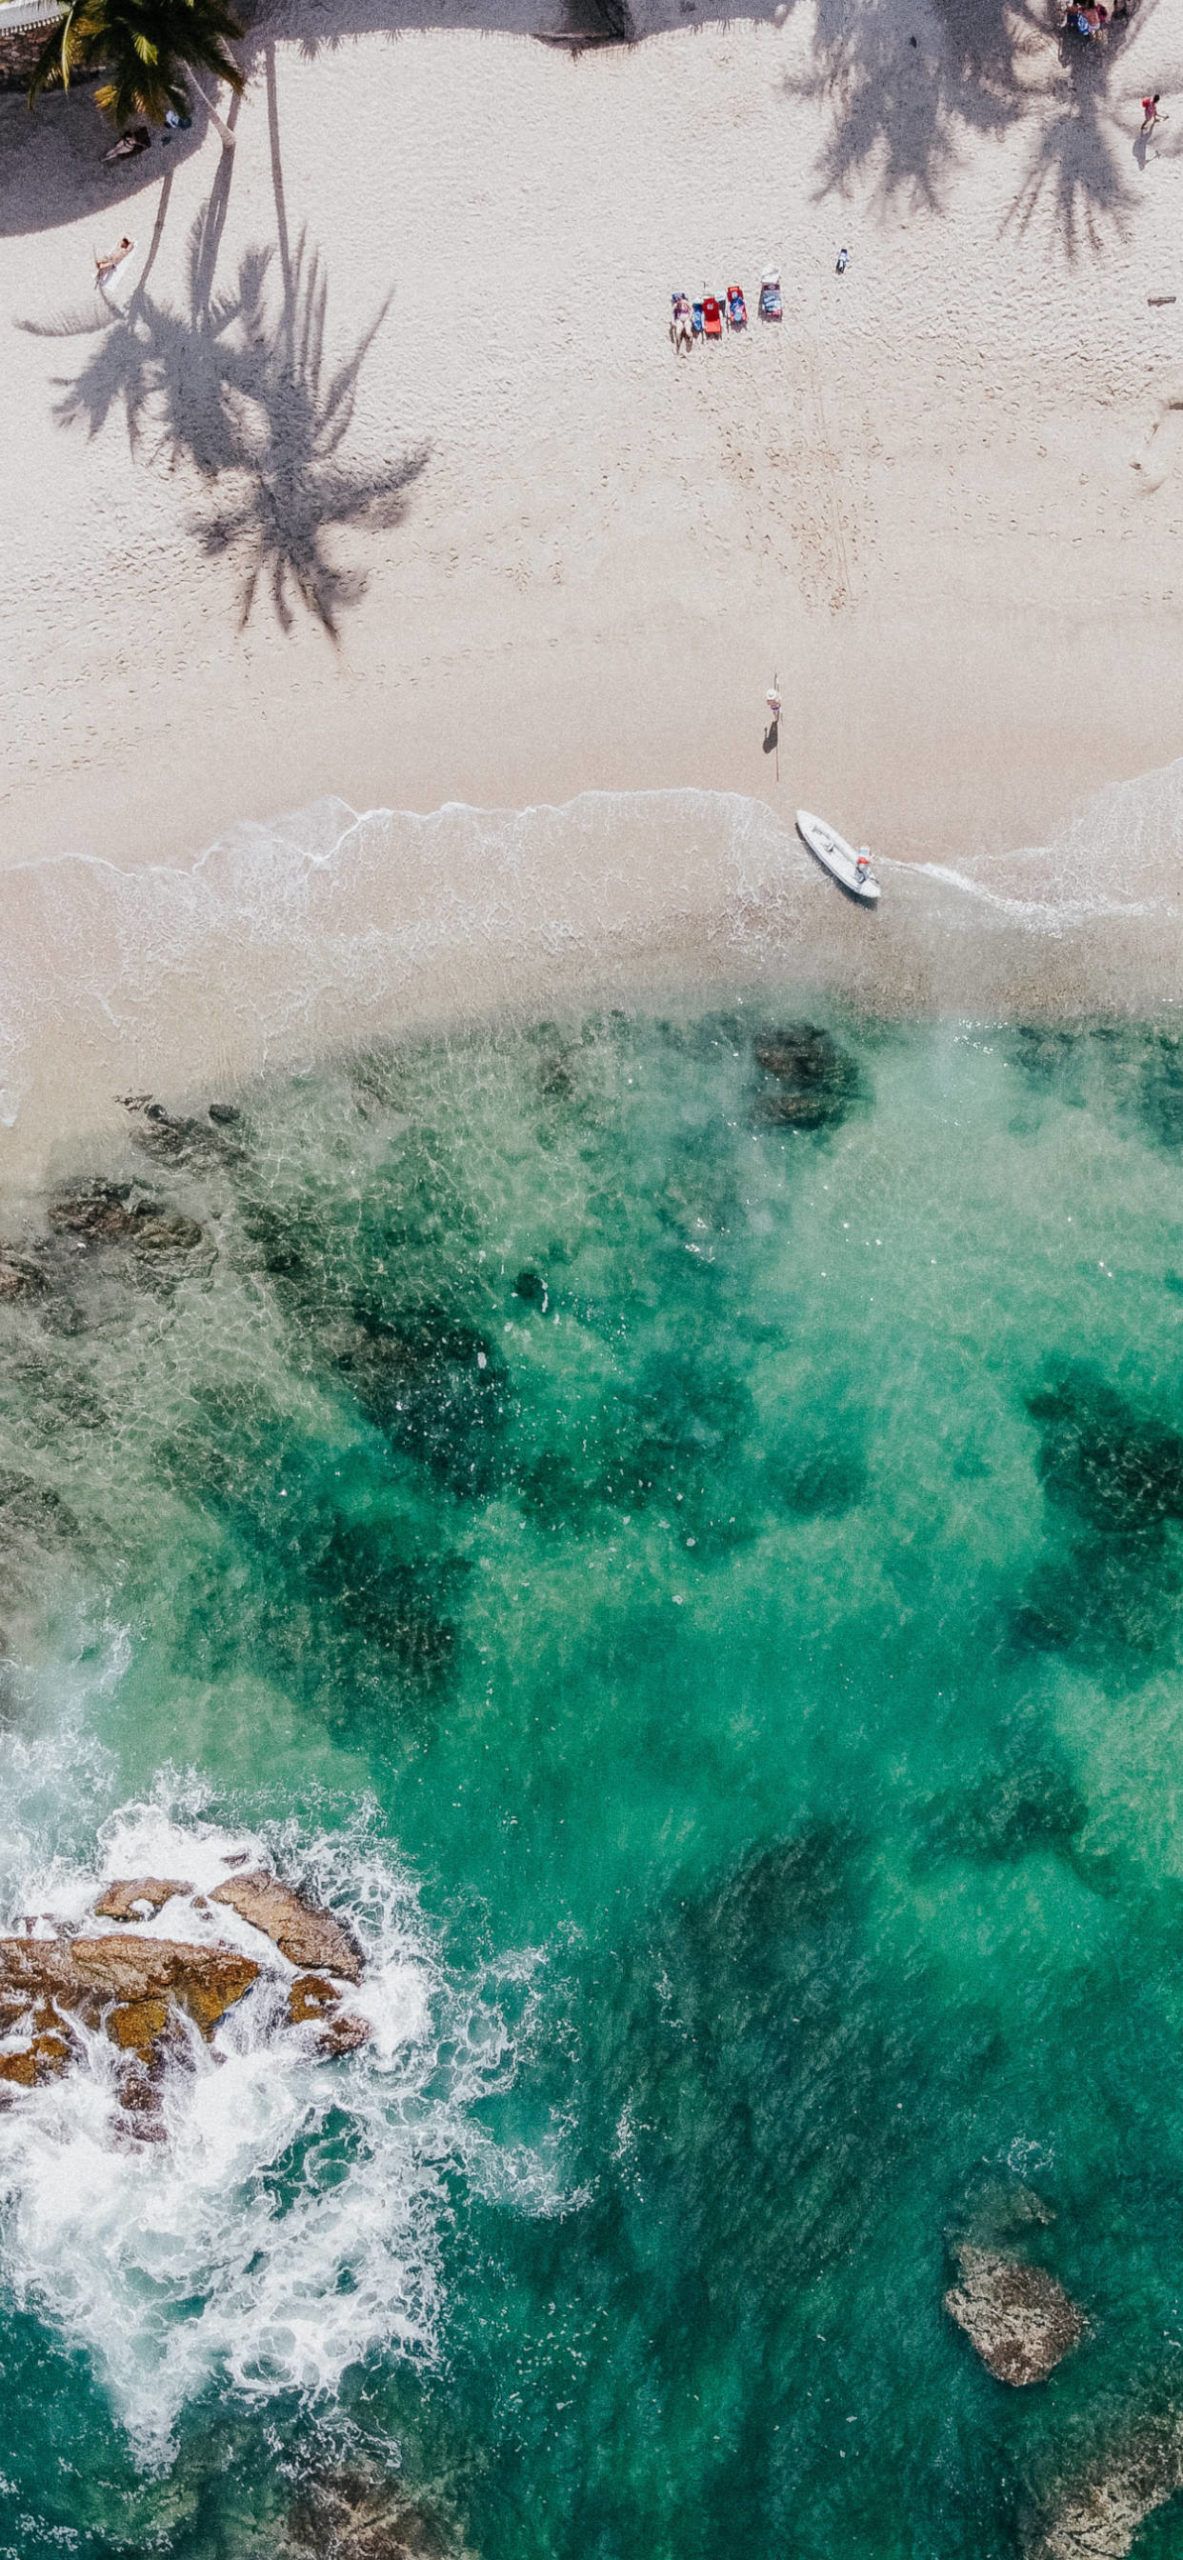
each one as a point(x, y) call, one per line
point(1154, 462)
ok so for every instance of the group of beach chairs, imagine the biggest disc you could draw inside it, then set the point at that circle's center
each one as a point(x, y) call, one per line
point(716, 312)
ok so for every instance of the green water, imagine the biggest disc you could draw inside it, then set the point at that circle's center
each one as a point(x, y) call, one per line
point(738, 1565)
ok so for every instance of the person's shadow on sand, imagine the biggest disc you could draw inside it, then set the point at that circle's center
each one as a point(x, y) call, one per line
point(772, 738)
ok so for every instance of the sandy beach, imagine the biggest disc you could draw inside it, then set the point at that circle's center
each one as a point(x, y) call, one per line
point(376, 481)
point(943, 500)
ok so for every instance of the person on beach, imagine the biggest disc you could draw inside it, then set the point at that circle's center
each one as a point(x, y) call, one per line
point(863, 861)
point(139, 139)
point(108, 266)
point(1150, 114)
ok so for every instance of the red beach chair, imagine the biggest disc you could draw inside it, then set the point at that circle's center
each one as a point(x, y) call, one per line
point(712, 317)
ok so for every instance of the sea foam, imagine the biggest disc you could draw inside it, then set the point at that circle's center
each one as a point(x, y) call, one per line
point(288, 2226)
point(333, 925)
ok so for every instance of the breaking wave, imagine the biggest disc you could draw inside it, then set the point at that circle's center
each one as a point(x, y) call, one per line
point(288, 2226)
point(332, 925)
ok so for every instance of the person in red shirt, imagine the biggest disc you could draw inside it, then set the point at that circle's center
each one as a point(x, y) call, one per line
point(1150, 114)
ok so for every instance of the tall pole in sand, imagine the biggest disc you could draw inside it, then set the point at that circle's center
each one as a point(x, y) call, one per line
point(773, 701)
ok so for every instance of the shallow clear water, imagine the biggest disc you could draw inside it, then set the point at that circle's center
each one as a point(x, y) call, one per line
point(698, 1574)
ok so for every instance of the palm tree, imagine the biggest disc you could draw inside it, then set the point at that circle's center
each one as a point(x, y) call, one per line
point(147, 49)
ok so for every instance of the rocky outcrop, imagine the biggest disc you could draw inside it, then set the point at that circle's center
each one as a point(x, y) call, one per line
point(135, 1899)
point(303, 1934)
point(144, 1992)
point(109, 1213)
point(341, 2030)
point(357, 2515)
point(134, 1989)
point(1098, 2518)
point(1020, 2320)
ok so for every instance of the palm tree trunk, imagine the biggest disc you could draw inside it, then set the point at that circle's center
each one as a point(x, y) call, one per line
point(214, 117)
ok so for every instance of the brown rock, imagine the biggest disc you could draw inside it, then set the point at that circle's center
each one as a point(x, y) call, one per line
point(20, 1279)
point(106, 1213)
point(128, 1901)
point(44, 2059)
point(1020, 2320)
point(132, 1986)
point(302, 1934)
point(342, 2031)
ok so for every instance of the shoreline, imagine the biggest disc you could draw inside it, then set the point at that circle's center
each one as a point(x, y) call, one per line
point(334, 928)
point(942, 502)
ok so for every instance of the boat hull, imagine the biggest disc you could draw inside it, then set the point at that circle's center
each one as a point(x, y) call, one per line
point(837, 857)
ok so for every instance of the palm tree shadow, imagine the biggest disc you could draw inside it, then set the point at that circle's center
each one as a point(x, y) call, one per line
point(1072, 167)
point(906, 110)
point(238, 386)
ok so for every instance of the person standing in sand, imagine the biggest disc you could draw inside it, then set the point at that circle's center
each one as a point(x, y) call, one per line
point(1150, 114)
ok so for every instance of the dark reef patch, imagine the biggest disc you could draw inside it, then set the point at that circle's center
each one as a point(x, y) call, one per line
point(437, 1388)
point(810, 1082)
point(97, 1214)
point(1115, 1474)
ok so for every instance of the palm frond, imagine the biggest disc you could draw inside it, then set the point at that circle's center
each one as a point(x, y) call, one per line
point(53, 63)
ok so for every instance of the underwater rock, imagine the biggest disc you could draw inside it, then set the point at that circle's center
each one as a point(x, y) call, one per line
point(165, 1138)
point(1020, 2320)
point(100, 1213)
point(223, 1114)
point(32, 1510)
point(1098, 2518)
point(357, 2515)
point(1118, 1469)
point(134, 1988)
point(531, 1287)
point(342, 2031)
point(303, 1934)
point(131, 1899)
point(812, 1080)
point(435, 1385)
point(20, 1279)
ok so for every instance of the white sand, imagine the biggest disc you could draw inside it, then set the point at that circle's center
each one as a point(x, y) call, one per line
point(944, 500)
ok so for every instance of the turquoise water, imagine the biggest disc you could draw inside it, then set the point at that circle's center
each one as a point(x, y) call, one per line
point(680, 1528)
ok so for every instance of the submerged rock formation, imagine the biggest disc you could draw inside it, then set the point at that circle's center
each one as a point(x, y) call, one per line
point(1020, 2320)
point(358, 2515)
point(20, 1278)
point(811, 1080)
point(107, 1213)
point(303, 1934)
point(1099, 2517)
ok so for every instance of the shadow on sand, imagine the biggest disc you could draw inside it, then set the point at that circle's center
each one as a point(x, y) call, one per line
point(238, 384)
point(906, 89)
point(909, 91)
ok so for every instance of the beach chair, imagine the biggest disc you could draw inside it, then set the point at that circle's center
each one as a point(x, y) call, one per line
point(696, 318)
point(771, 306)
point(737, 309)
point(712, 317)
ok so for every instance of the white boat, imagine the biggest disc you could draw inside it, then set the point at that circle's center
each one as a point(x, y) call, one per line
point(838, 856)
